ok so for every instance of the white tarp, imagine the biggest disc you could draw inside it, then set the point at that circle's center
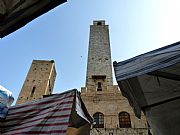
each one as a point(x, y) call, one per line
point(151, 82)
point(148, 62)
point(6, 99)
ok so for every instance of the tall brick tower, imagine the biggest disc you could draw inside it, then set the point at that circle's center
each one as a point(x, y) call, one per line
point(99, 68)
point(111, 111)
point(39, 81)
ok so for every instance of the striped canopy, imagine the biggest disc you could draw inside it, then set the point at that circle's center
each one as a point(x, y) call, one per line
point(148, 62)
point(51, 115)
point(151, 82)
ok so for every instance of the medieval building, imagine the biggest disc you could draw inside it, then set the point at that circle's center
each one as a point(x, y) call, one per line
point(111, 111)
point(39, 81)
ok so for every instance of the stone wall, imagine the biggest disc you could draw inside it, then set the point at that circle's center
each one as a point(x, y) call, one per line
point(118, 131)
point(39, 81)
point(107, 100)
point(111, 103)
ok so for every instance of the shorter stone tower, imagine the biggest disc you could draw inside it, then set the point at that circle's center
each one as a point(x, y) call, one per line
point(39, 81)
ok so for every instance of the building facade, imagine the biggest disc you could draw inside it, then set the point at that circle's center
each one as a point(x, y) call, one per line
point(111, 111)
point(39, 81)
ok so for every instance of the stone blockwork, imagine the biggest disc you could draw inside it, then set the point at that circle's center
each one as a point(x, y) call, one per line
point(99, 94)
point(99, 55)
point(120, 131)
point(39, 81)
point(110, 102)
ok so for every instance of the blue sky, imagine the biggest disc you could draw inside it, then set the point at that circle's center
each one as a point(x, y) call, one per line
point(136, 27)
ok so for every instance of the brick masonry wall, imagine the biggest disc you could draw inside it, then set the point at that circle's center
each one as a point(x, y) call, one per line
point(41, 77)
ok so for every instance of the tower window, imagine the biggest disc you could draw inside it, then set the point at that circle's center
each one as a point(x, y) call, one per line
point(50, 91)
point(124, 120)
point(32, 92)
point(99, 88)
point(98, 120)
point(99, 23)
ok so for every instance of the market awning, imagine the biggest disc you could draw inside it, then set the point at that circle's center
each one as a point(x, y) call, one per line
point(151, 82)
point(16, 13)
point(63, 114)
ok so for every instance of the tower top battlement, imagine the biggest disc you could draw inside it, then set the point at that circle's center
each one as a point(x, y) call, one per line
point(99, 22)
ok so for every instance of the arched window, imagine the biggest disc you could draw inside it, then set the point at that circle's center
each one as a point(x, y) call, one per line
point(98, 120)
point(124, 120)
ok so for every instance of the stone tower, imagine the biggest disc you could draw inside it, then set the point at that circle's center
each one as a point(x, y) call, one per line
point(111, 111)
point(39, 81)
point(99, 68)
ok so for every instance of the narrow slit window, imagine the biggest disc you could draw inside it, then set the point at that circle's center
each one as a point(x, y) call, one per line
point(32, 92)
point(99, 87)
